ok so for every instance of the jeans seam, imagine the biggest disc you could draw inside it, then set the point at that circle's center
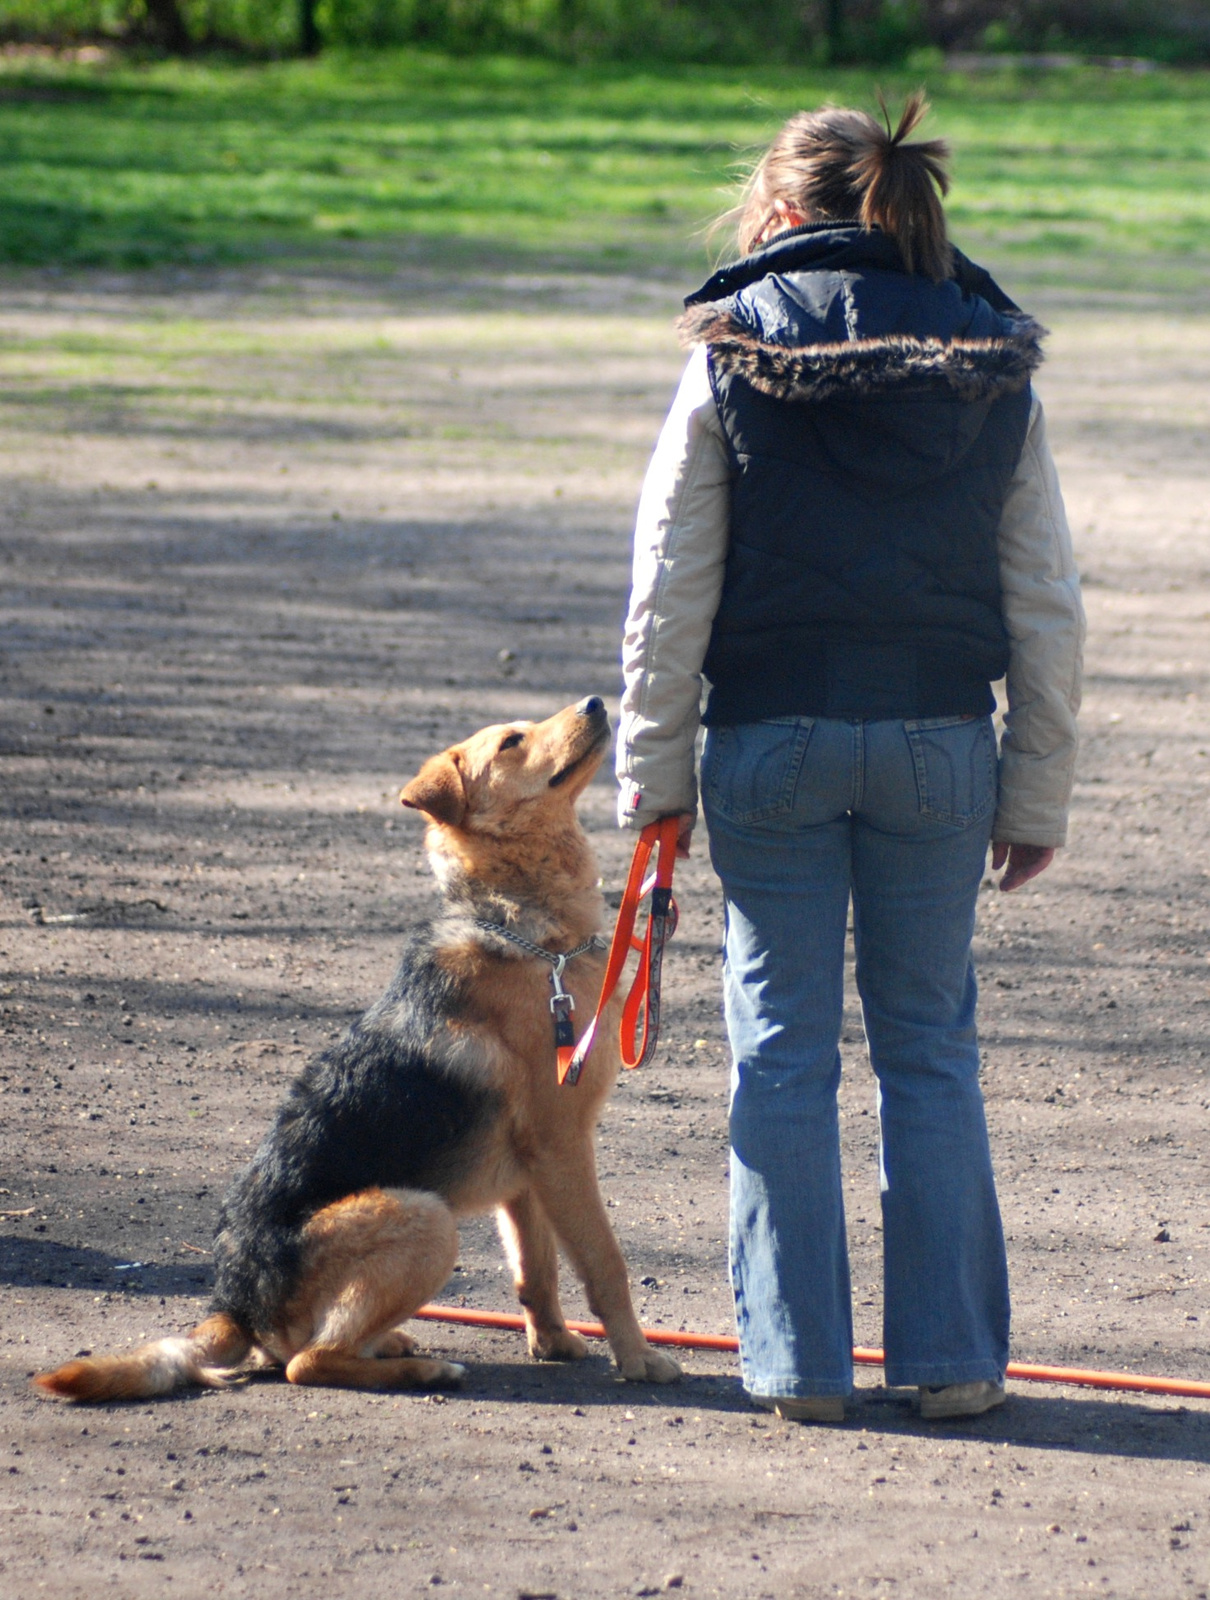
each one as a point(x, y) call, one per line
point(802, 738)
point(918, 764)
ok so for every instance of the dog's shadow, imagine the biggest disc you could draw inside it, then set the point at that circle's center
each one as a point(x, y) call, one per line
point(46, 1264)
point(1084, 1425)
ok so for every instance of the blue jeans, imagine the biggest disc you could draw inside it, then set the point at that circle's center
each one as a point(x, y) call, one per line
point(804, 813)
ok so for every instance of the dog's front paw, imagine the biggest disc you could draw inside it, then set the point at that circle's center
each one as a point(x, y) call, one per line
point(649, 1366)
point(560, 1344)
point(394, 1344)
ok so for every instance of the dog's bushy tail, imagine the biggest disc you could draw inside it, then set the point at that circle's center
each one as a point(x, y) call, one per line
point(205, 1358)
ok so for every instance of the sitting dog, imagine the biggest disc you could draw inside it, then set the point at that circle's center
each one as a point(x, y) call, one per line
point(441, 1101)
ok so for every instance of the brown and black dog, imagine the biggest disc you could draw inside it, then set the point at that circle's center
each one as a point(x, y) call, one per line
point(441, 1101)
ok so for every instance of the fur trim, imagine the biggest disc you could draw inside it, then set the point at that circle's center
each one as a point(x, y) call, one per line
point(976, 369)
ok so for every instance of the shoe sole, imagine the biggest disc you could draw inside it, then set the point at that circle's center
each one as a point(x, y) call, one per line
point(794, 1414)
point(942, 1411)
point(817, 1408)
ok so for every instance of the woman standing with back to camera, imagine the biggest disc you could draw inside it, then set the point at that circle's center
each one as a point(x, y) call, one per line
point(851, 527)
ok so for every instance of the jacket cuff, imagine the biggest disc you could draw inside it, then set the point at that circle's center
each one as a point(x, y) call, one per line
point(1015, 828)
point(1035, 795)
point(636, 808)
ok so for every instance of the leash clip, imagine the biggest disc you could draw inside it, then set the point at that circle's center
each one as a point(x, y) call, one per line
point(556, 983)
point(561, 1007)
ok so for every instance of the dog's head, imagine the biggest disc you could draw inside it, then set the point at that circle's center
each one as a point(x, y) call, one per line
point(515, 780)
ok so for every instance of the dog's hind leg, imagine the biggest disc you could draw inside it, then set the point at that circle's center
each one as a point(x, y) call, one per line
point(529, 1243)
point(371, 1261)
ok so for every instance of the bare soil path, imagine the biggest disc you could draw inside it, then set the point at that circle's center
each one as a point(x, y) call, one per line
point(266, 543)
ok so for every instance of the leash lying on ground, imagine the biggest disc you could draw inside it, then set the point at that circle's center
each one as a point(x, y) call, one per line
point(1020, 1371)
point(642, 1007)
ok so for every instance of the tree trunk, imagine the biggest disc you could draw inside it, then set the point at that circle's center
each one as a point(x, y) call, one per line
point(167, 27)
point(834, 27)
point(308, 30)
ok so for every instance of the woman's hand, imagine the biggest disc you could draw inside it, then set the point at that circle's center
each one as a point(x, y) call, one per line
point(1025, 861)
point(687, 820)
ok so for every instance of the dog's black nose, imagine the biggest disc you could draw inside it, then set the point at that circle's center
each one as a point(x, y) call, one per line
point(592, 707)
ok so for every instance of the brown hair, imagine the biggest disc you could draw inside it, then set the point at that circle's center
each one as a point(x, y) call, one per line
point(838, 165)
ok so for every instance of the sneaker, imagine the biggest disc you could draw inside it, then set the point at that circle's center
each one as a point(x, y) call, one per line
point(807, 1408)
point(961, 1400)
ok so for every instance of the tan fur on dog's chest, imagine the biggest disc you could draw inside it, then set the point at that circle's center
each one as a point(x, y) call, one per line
point(511, 1019)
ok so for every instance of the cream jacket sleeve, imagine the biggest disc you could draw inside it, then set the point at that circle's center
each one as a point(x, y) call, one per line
point(1045, 619)
point(680, 547)
point(680, 552)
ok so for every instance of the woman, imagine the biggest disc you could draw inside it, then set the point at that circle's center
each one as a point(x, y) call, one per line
point(852, 527)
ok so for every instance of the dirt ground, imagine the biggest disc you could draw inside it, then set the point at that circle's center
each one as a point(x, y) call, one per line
point(267, 542)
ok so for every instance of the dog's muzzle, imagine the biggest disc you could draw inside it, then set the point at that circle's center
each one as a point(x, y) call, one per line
point(593, 710)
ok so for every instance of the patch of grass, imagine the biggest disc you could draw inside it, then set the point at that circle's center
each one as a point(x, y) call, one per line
point(507, 161)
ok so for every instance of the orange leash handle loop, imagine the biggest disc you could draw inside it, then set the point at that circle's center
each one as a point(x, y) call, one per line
point(660, 923)
point(642, 1008)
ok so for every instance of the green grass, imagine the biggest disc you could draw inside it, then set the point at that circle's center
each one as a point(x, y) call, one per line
point(1080, 174)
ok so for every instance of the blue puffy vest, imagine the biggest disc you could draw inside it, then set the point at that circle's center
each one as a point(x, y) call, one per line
point(874, 420)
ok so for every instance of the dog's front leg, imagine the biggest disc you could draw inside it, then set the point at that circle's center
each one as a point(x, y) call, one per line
point(529, 1243)
point(566, 1186)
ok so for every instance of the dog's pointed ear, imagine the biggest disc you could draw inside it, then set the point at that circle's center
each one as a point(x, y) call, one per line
point(438, 790)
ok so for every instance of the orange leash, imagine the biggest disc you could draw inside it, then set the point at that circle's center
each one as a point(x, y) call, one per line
point(1021, 1371)
point(640, 1029)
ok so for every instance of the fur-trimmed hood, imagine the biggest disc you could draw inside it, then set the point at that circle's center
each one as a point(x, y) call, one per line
point(828, 310)
point(974, 369)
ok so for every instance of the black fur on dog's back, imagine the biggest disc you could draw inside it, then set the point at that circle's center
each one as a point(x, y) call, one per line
point(380, 1108)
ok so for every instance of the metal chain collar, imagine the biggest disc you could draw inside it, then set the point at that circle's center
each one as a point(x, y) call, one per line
point(557, 961)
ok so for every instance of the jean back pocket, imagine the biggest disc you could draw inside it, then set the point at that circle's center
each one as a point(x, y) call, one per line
point(750, 770)
point(956, 769)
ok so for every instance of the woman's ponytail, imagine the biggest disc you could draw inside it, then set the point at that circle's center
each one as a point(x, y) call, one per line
point(901, 185)
point(839, 165)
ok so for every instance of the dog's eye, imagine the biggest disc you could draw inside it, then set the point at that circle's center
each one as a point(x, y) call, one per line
point(509, 743)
